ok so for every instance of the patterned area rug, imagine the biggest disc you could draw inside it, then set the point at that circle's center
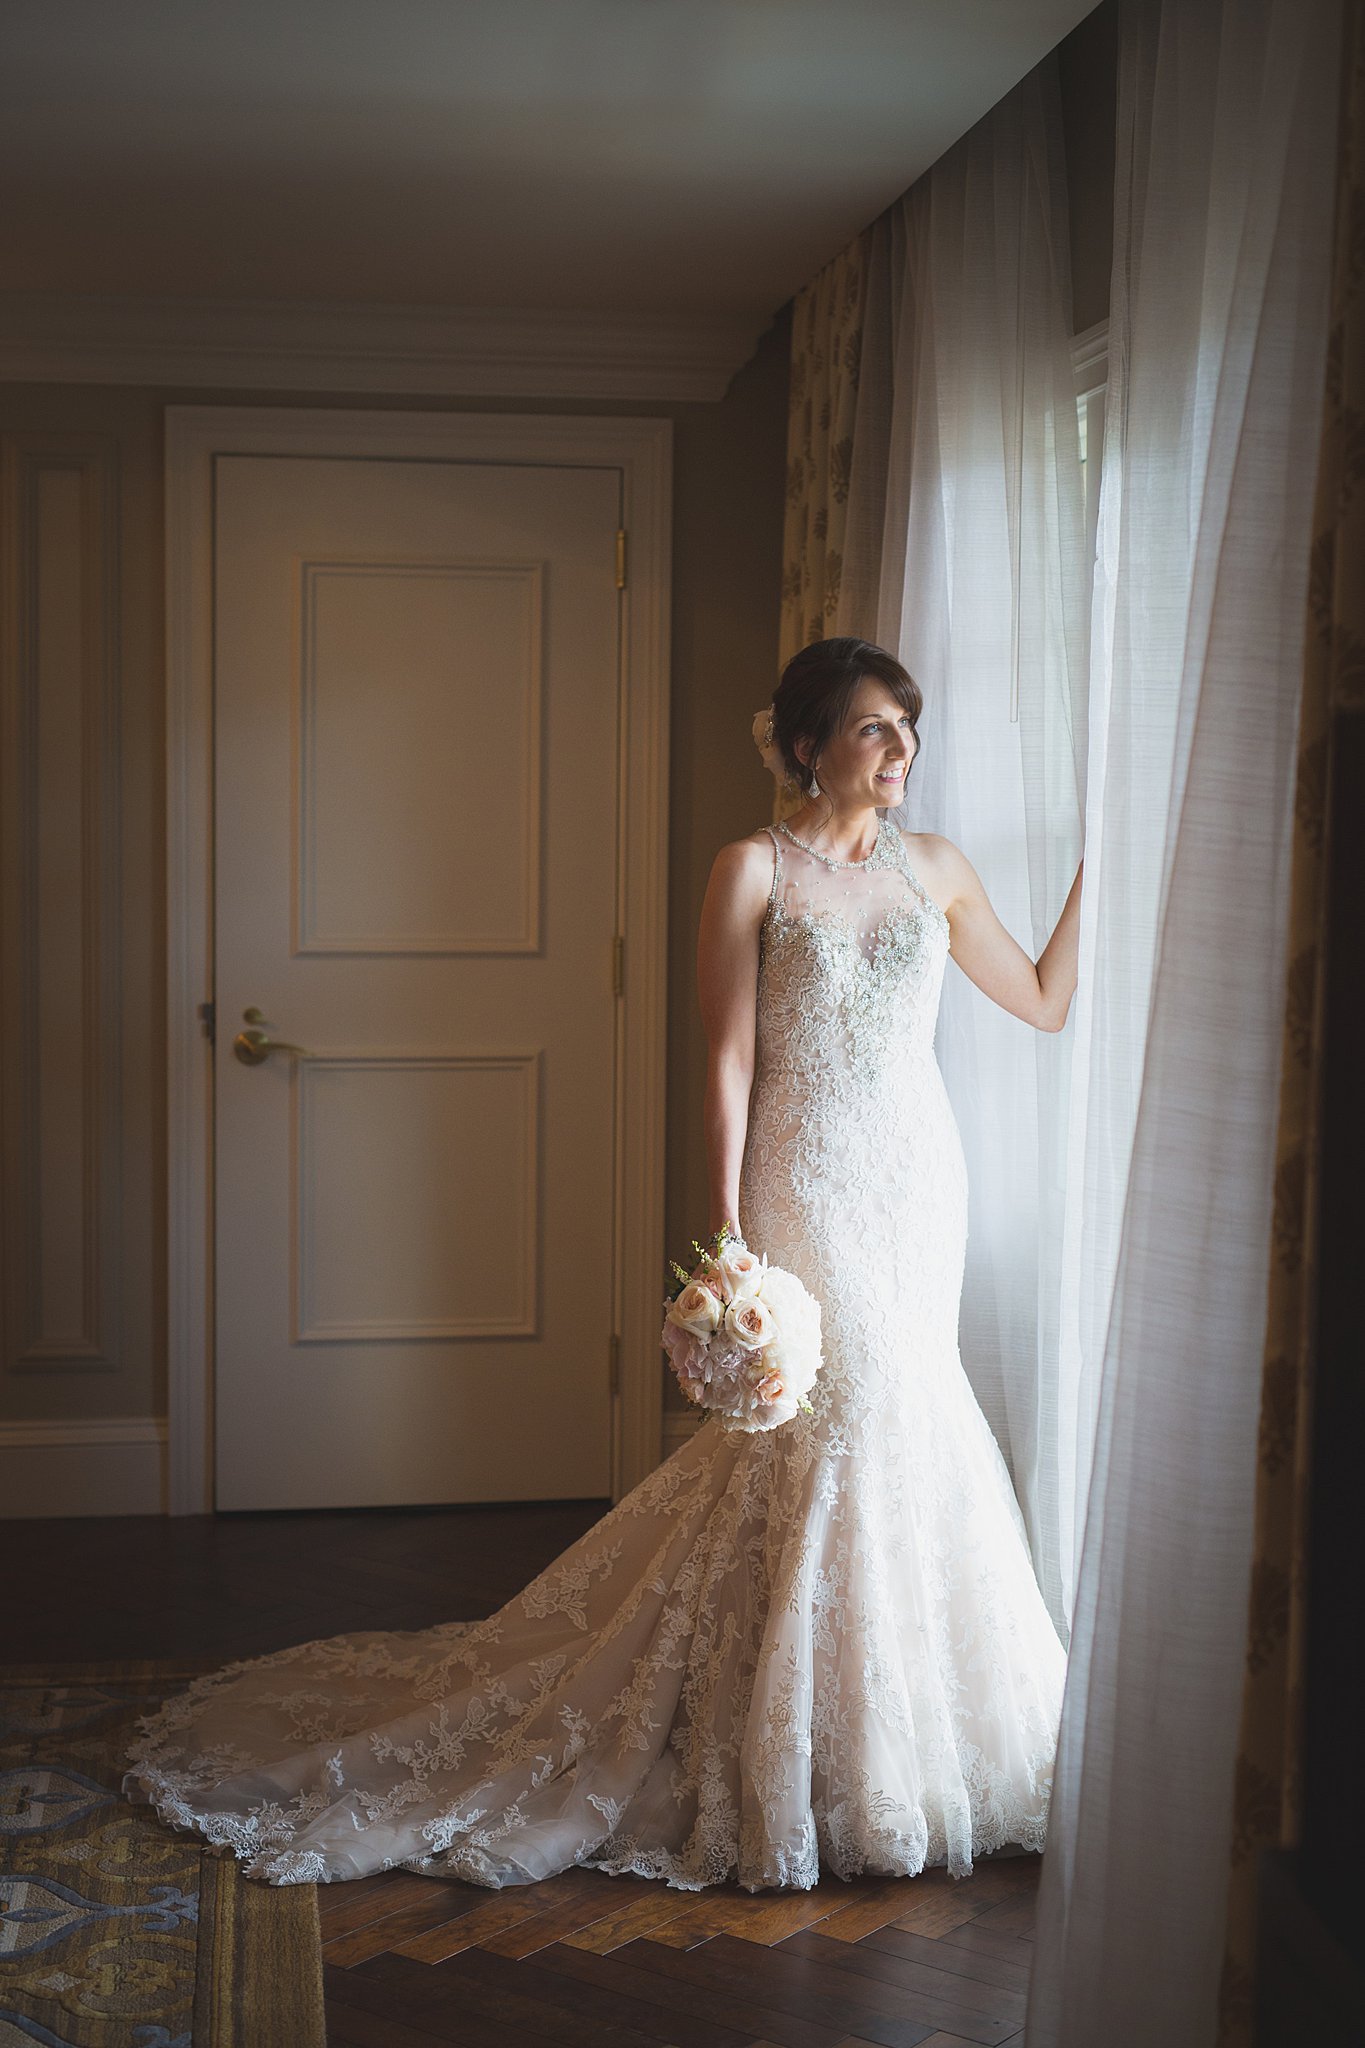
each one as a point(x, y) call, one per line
point(116, 1931)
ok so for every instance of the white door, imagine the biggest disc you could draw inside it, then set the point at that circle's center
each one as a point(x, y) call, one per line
point(416, 746)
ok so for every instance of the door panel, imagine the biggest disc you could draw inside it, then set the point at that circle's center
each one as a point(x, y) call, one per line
point(416, 742)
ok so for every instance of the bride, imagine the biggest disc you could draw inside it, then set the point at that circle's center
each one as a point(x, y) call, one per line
point(822, 1645)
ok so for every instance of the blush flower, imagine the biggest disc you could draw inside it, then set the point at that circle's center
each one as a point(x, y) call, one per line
point(750, 1322)
point(696, 1310)
point(687, 1354)
point(743, 1338)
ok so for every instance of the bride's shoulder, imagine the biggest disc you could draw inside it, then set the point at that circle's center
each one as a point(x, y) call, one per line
point(755, 850)
point(937, 863)
point(927, 848)
point(751, 855)
point(743, 868)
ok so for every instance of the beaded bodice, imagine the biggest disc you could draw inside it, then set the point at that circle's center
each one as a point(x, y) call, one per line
point(851, 964)
point(848, 1117)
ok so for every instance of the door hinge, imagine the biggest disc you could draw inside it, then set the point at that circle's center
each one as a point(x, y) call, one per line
point(614, 1365)
point(618, 965)
point(208, 1012)
point(621, 558)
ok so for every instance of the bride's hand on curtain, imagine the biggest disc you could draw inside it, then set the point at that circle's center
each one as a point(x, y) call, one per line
point(1038, 991)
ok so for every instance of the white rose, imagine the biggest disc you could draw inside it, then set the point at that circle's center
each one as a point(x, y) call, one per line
point(798, 1369)
point(797, 1319)
point(749, 1321)
point(741, 1271)
point(696, 1310)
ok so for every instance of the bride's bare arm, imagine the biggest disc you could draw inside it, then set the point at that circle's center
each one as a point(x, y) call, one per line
point(1040, 992)
point(727, 985)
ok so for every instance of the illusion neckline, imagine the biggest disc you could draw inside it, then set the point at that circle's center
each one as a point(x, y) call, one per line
point(877, 847)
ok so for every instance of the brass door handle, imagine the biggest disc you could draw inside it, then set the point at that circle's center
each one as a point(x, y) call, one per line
point(252, 1047)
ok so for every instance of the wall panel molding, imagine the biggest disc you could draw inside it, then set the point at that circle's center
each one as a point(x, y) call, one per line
point(60, 932)
point(515, 1147)
point(309, 933)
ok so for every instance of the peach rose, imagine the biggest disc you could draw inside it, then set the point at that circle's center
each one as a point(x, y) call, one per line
point(749, 1321)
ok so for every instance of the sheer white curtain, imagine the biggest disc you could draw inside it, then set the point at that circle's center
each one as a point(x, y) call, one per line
point(1121, 1172)
point(979, 581)
point(1227, 113)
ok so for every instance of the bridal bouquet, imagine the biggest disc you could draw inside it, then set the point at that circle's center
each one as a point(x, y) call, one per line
point(743, 1338)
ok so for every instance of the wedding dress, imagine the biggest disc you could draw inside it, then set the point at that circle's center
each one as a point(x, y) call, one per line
point(821, 1645)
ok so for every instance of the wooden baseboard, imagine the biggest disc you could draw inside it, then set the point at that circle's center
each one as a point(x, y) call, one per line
point(104, 1465)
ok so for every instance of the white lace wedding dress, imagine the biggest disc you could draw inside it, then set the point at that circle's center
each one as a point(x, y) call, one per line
point(822, 1645)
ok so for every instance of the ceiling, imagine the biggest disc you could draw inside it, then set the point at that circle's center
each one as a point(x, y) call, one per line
point(648, 157)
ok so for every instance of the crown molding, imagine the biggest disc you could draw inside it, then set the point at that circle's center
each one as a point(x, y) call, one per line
point(260, 345)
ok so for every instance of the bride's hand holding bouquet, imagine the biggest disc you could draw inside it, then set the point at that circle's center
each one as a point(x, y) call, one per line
point(742, 1337)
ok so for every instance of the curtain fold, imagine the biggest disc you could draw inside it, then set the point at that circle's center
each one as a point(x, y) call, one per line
point(1267, 1786)
point(959, 531)
point(982, 588)
point(1217, 333)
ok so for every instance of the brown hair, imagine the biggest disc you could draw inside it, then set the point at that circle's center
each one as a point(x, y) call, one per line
point(817, 686)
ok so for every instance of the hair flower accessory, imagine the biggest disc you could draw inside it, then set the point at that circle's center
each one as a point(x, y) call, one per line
point(763, 740)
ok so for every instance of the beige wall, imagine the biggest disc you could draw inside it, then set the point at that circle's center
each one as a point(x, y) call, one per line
point(728, 485)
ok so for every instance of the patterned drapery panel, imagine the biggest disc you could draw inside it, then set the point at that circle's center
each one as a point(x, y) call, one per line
point(827, 335)
point(1267, 1790)
point(826, 353)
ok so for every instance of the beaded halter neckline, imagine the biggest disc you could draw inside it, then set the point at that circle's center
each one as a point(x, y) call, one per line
point(866, 862)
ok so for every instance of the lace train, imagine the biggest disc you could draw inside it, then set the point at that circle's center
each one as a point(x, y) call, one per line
point(734, 1674)
point(820, 1645)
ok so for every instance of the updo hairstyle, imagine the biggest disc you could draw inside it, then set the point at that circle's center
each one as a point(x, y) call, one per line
point(818, 685)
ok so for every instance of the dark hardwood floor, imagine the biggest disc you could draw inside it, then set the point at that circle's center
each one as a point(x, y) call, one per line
point(228, 1586)
point(582, 1960)
point(622, 1962)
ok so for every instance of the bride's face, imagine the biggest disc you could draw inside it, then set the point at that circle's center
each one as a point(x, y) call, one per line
point(867, 762)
